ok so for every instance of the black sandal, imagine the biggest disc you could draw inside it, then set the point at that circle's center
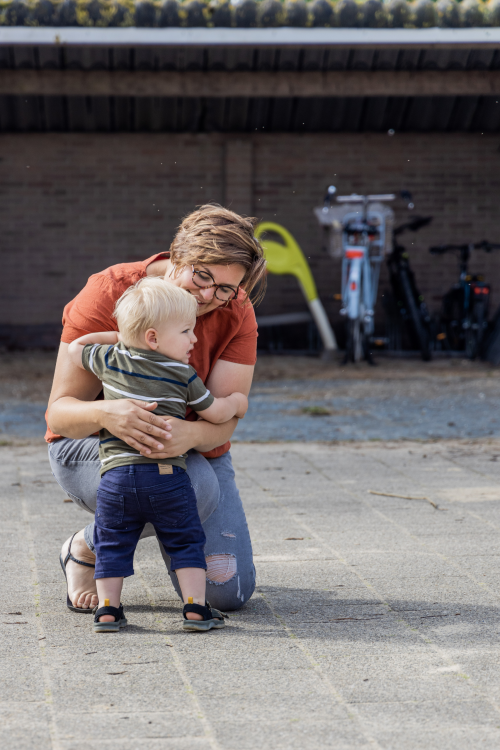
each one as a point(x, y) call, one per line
point(212, 618)
point(109, 627)
point(69, 556)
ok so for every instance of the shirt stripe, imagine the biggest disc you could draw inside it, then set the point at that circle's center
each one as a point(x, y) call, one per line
point(140, 397)
point(197, 401)
point(91, 358)
point(142, 375)
point(120, 455)
point(126, 372)
point(145, 359)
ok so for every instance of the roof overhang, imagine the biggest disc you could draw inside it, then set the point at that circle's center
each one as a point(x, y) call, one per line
point(221, 84)
point(471, 38)
point(248, 80)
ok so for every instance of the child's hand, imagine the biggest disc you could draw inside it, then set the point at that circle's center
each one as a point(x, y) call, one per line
point(75, 349)
point(242, 405)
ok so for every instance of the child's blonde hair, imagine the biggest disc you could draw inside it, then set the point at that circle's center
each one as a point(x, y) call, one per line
point(149, 304)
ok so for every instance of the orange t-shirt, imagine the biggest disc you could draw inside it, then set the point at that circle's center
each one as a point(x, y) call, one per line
point(228, 333)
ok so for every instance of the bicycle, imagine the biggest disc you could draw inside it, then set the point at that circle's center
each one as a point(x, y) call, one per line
point(466, 305)
point(406, 304)
point(363, 243)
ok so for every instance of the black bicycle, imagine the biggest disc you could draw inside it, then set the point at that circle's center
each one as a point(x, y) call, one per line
point(406, 305)
point(466, 305)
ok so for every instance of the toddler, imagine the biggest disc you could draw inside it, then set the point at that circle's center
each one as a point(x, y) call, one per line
point(149, 360)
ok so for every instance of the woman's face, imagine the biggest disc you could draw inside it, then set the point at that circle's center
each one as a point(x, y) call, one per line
point(230, 275)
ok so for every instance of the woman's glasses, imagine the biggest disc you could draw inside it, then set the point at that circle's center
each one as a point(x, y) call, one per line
point(205, 280)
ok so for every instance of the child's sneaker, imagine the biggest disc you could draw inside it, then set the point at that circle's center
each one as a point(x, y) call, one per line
point(212, 618)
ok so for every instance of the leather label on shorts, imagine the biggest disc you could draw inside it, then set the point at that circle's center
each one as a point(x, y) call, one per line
point(166, 468)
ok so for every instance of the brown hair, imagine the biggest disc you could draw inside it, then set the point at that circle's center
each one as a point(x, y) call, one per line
point(216, 236)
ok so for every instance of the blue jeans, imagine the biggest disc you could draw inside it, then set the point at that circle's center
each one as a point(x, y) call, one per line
point(128, 497)
point(228, 549)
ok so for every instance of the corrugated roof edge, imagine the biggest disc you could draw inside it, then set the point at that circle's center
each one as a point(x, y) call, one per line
point(360, 14)
point(285, 36)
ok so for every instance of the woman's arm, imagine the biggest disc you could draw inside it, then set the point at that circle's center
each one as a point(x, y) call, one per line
point(73, 412)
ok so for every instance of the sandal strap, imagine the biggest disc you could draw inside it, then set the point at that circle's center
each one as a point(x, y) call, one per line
point(197, 609)
point(205, 611)
point(218, 614)
point(69, 556)
point(115, 611)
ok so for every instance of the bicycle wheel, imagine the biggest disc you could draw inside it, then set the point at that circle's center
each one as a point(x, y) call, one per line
point(474, 328)
point(354, 335)
point(421, 332)
point(453, 306)
point(482, 325)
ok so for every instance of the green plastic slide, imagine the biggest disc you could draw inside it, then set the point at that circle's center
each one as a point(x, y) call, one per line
point(286, 257)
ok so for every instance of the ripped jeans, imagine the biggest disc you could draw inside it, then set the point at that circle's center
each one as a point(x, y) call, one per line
point(228, 550)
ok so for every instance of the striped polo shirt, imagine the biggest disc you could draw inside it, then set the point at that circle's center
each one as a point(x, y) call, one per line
point(145, 375)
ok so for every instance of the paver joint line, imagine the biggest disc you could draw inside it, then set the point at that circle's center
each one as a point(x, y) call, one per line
point(207, 727)
point(305, 664)
point(435, 648)
point(49, 701)
point(351, 711)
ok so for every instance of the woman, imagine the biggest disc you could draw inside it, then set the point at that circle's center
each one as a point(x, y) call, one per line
point(215, 257)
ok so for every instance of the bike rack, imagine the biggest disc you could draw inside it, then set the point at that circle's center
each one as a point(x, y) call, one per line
point(286, 257)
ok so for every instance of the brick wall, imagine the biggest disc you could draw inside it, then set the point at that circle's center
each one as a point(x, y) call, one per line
point(71, 205)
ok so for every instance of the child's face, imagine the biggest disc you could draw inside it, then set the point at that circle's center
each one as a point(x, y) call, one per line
point(174, 339)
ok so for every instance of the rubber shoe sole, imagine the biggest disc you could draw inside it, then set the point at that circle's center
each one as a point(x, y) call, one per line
point(110, 627)
point(202, 626)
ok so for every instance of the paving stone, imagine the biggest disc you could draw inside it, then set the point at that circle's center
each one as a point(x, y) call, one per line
point(374, 626)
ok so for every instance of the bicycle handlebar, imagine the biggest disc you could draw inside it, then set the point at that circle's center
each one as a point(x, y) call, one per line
point(413, 225)
point(488, 247)
point(354, 198)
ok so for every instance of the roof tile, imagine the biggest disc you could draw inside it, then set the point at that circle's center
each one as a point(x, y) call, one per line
point(251, 13)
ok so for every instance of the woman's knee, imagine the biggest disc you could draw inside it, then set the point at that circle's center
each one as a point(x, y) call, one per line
point(205, 484)
point(228, 588)
point(75, 466)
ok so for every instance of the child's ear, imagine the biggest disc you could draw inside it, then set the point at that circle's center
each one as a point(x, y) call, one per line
point(151, 338)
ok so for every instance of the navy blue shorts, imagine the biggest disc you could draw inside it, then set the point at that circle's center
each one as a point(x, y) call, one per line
point(130, 496)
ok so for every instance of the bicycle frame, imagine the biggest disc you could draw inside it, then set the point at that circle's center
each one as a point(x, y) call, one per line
point(358, 285)
point(404, 305)
point(465, 306)
point(358, 229)
point(362, 242)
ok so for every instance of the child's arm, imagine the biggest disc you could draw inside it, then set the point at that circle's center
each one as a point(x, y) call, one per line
point(224, 409)
point(75, 349)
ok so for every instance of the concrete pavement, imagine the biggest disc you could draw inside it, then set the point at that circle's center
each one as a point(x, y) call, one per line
point(374, 625)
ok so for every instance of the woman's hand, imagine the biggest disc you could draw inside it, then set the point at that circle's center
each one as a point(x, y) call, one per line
point(132, 421)
point(73, 412)
point(183, 436)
